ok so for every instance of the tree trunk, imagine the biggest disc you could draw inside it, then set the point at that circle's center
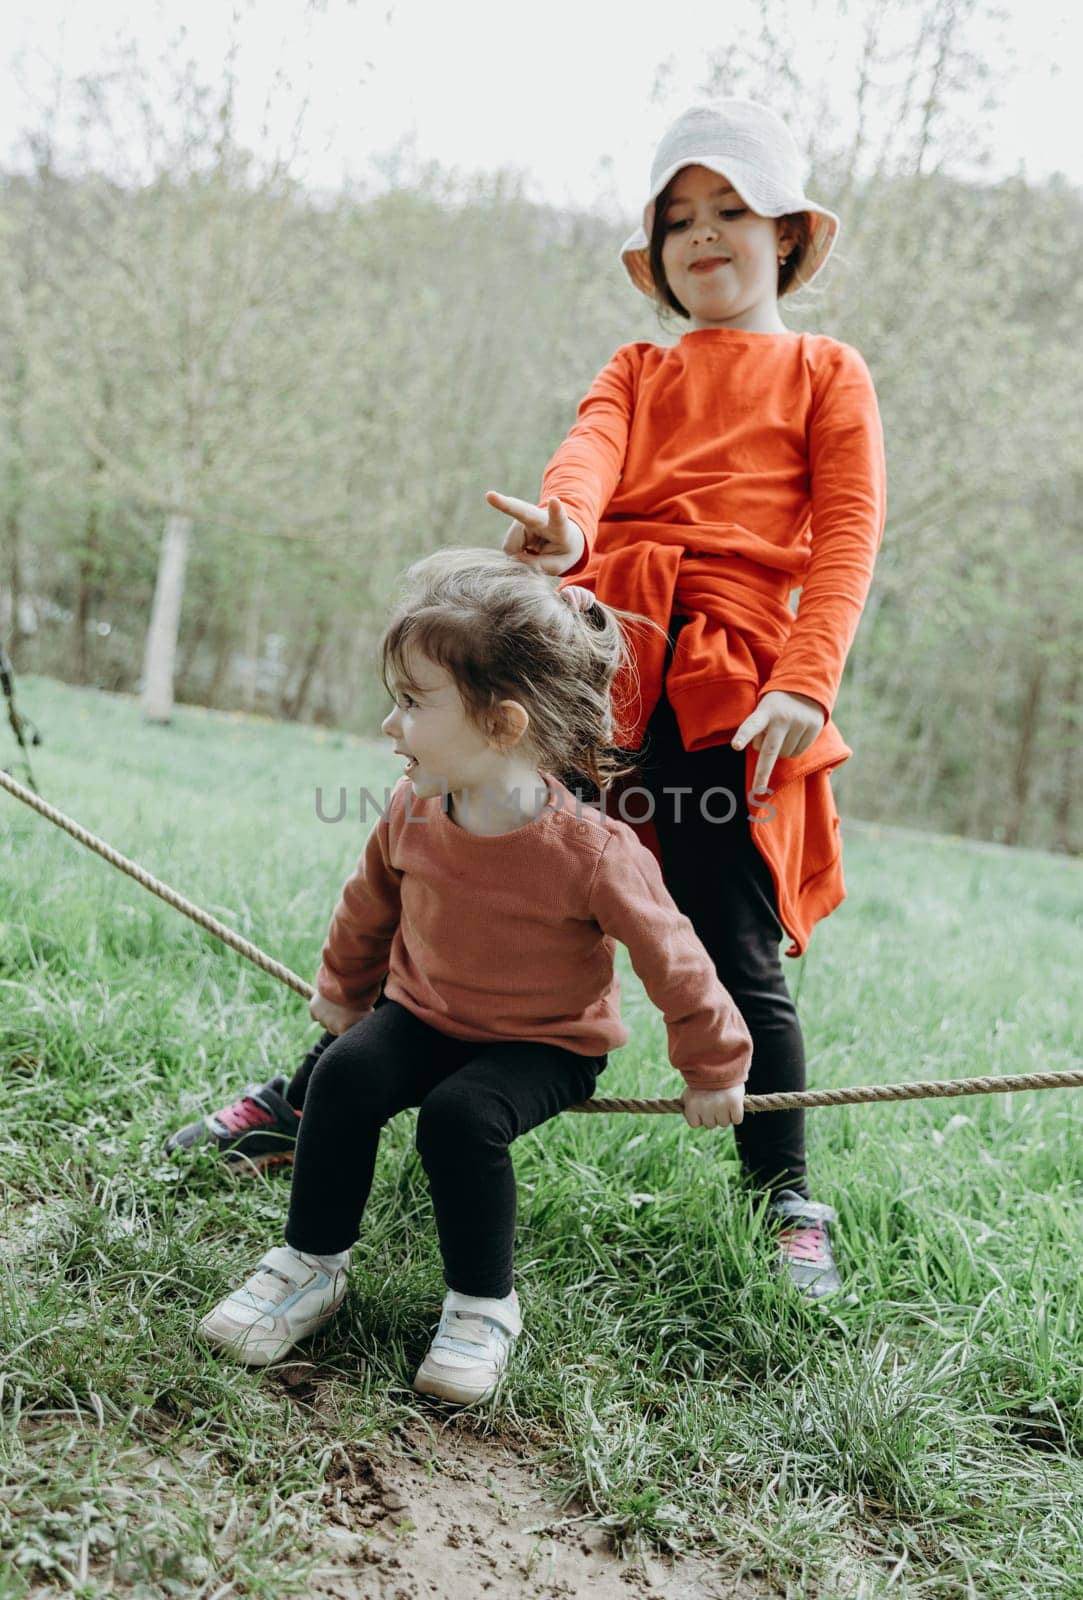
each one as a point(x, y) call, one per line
point(160, 656)
point(15, 582)
point(13, 518)
point(1066, 789)
point(223, 657)
point(87, 571)
point(253, 634)
point(292, 706)
point(188, 667)
point(1024, 752)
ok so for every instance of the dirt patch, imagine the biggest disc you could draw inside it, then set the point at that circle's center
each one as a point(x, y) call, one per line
point(27, 1226)
point(437, 1510)
point(464, 1517)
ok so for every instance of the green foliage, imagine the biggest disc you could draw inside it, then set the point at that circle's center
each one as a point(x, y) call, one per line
point(327, 384)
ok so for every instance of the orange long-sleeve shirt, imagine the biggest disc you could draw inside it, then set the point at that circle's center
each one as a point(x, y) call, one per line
point(511, 936)
point(710, 479)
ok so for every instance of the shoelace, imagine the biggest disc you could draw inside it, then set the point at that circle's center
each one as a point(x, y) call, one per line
point(806, 1242)
point(244, 1114)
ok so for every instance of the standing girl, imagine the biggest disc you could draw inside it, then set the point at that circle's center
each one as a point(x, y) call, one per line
point(701, 483)
point(489, 898)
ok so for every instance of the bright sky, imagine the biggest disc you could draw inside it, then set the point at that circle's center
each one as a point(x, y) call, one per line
point(572, 92)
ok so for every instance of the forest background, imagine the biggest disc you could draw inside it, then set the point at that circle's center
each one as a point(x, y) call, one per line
point(234, 407)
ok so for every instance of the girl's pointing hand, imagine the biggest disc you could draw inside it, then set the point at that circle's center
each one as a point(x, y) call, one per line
point(542, 537)
point(782, 724)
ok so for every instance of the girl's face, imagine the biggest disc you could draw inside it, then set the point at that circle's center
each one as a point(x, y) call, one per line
point(721, 260)
point(445, 750)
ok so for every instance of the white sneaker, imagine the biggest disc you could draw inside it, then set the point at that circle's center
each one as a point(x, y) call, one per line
point(471, 1347)
point(283, 1301)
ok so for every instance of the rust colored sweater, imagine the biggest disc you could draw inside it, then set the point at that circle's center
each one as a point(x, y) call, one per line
point(710, 479)
point(511, 936)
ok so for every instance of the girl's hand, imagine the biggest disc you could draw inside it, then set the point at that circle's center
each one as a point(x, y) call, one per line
point(782, 724)
point(714, 1108)
point(545, 538)
point(336, 1019)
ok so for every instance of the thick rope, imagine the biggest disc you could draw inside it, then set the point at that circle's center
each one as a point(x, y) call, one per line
point(864, 1094)
point(806, 1099)
point(162, 890)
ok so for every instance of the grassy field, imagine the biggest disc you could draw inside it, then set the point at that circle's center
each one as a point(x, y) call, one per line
point(923, 1438)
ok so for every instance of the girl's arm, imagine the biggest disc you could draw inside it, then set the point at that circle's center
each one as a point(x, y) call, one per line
point(356, 953)
point(585, 470)
point(709, 1042)
point(849, 507)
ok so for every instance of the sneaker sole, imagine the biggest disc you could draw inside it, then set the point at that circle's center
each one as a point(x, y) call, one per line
point(230, 1156)
point(444, 1389)
point(810, 1290)
point(241, 1166)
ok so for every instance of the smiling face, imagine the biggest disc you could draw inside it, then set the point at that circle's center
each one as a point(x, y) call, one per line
point(445, 749)
point(720, 258)
point(430, 725)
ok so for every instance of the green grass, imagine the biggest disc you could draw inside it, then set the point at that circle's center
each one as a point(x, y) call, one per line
point(923, 1438)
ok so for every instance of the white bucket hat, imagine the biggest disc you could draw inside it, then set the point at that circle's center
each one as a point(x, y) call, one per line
point(747, 143)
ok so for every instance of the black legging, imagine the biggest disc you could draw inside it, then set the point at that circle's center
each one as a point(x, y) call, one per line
point(474, 1099)
point(720, 881)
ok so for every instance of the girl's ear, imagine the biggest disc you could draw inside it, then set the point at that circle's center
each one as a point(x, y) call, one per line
point(787, 239)
point(509, 722)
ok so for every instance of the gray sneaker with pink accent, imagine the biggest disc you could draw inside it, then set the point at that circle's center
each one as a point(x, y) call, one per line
point(804, 1243)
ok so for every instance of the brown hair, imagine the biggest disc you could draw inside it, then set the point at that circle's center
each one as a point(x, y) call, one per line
point(502, 632)
point(789, 273)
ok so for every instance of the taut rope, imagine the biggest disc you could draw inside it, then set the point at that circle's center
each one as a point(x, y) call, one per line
point(807, 1098)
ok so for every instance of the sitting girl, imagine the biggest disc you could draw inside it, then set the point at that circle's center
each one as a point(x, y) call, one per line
point(487, 898)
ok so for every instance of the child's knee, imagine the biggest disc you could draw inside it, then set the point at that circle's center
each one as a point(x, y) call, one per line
point(458, 1121)
point(346, 1076)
